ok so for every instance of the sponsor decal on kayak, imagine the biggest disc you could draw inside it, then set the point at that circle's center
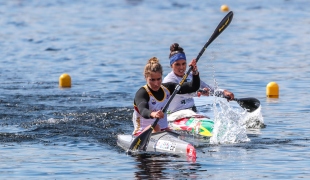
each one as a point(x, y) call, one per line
point(191, 153)
point(165, 145)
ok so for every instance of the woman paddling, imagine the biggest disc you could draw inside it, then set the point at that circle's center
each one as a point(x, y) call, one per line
point(152, 97)
point(183, 105)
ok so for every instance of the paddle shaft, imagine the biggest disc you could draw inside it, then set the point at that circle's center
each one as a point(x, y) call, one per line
point(141, 141)
point(219, 29)
point(250, 104)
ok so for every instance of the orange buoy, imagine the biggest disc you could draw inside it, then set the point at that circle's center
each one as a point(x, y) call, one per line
point(224, 8)
point(272, 90)
point(65, 80)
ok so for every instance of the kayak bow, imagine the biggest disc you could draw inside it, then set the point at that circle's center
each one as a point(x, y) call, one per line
point(163, 142)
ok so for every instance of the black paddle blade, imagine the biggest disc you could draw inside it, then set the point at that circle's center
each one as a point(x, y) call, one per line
point(141, 141)
point(250, 104)
point(225, 22)
point(218, 30)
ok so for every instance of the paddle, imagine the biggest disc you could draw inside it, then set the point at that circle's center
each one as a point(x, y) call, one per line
point(141, 141)
point(250, 104)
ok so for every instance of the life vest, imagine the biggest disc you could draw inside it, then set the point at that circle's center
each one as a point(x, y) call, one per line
point(140, 123)
point(180, 101)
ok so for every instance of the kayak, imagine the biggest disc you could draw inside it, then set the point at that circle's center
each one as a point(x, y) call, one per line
point(163, 142)
point(188, 121)
point(197, 126)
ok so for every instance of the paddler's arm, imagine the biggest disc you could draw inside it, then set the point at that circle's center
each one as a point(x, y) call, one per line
point(187, 87)
point(141, 102)
point(219, 93)
point(195, 84)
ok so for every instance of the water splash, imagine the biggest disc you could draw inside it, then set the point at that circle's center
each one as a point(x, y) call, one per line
point(254, 120)
point(228, 124)
point(231, 124)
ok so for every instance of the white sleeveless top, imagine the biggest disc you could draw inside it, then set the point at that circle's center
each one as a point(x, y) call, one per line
point(183, 101)
point(140, 123)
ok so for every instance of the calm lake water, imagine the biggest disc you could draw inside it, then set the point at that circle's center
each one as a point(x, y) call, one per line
point(51, 133)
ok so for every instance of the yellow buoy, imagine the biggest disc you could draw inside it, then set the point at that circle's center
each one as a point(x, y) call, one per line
point(224, 8)
point(272, 90)
point(65, 80)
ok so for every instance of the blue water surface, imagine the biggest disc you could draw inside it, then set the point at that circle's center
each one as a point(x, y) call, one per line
point(47, 132)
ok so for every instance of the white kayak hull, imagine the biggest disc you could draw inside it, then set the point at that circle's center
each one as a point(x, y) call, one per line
point(163, 142)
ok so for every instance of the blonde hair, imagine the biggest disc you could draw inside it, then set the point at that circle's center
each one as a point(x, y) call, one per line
point(152, 65)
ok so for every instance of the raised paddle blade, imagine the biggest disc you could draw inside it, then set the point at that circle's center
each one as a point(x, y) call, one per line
point(250, 104)
point(218, 30)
